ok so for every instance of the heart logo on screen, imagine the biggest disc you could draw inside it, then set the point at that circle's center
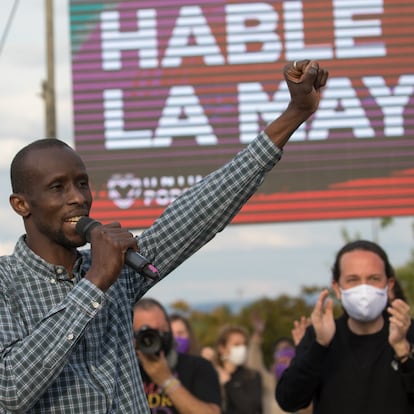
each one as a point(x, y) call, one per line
point(123, 190)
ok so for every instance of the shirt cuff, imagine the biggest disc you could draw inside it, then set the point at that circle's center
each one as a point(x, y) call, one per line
point(266, 153)
point(88, 297)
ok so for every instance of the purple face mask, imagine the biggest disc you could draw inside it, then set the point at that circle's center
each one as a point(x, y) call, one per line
point(283, 358)
point(183, 344)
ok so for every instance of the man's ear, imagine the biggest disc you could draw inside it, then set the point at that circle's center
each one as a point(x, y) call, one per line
point(19, 204)
point(335, 288)
point(391, 286)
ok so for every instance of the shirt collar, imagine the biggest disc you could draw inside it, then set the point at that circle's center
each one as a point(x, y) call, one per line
point(40, 267)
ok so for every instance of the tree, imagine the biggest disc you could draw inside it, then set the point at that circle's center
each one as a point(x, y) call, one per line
point(405, 275)
point(278, 315)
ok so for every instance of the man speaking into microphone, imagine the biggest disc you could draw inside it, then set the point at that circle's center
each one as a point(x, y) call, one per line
point(66, 338)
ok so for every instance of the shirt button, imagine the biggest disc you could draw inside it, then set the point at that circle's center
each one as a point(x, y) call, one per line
point(59, 270)
point(52, 280)
point(70, 337)
point(95, 304)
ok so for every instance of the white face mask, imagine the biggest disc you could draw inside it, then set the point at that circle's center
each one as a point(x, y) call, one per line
point(364, 302)
point(238, 354)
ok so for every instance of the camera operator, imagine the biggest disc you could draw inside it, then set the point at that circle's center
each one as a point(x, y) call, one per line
point(173, 382)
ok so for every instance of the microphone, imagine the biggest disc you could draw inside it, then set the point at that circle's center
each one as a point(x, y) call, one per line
point(132, 258)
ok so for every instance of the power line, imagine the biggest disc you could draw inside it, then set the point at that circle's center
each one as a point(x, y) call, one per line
point(8, 25)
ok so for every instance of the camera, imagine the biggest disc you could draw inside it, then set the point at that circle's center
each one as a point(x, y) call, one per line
point(151, 341)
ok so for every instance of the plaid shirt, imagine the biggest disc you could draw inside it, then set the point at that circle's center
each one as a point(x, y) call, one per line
point(66, 346)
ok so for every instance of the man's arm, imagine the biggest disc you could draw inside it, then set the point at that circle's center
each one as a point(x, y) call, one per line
point(205, 209)
point(297, 386)
point(30, 363)
point(299, 382)
point(401, 338)
point(185, 402)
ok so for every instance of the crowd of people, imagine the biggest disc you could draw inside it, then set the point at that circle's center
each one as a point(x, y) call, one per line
point(231, 379)
point(361, 362)
point(78, 333)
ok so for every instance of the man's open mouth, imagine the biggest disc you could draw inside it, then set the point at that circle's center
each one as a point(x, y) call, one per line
point(74, 219)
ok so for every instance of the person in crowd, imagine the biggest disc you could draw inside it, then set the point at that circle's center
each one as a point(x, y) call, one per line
point(362, 362)
point(208, 352)
point(184, 335)
point(299, 328)
point(241, 386)
point(255, 361)
point(174, 382)
point(66, 313)
point(283, 352)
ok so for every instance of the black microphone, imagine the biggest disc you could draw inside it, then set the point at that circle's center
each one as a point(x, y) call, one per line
point(132, 258)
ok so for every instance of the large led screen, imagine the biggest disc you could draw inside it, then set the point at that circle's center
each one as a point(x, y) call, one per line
point(166, 91)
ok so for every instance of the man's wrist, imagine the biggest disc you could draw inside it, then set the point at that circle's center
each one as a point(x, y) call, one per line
point(170, 385)
point(402, 359)
point(403, 351)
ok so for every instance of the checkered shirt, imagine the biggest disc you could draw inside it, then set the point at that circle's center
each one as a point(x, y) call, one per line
point(66, 346)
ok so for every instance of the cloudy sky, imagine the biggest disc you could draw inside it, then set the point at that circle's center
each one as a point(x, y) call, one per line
point(243, 262)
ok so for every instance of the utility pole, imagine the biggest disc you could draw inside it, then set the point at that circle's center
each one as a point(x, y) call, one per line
point(48, 86)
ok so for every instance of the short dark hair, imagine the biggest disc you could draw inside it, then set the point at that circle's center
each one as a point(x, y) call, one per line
point(150, 303)
point(19, 176)
point(362, 245)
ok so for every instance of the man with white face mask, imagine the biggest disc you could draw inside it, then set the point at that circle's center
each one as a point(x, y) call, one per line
point(362, 362)
point(241, 386)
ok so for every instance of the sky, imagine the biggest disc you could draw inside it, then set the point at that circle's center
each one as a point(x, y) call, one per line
point(244, 262)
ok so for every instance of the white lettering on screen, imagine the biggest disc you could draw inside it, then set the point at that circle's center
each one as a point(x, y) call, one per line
point(357, 33)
